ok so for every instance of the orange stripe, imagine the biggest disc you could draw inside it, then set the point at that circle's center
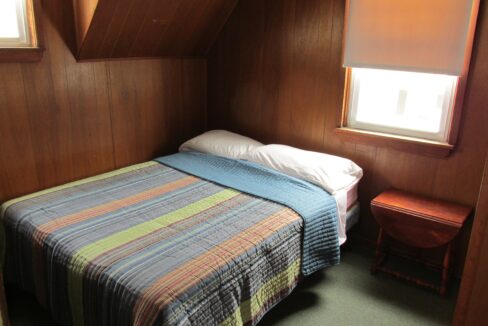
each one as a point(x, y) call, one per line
point(44, 230)
point(114, 205)
point(164, 290)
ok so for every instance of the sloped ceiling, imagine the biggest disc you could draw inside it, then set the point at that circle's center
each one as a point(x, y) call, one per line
point(148, 28)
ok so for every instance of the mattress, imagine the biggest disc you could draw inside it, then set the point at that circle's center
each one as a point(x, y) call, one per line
point(352, 216)
point(352, 195)
point(346, 200)
point(152, 244)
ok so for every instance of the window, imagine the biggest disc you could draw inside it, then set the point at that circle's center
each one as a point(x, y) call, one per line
point(14, 24)
point(406, 64)
point(20, 32)
point(410, 104)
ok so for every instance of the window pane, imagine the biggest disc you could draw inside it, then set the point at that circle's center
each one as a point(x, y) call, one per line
point(9, 24)
point(404, 103)
point(14, 27)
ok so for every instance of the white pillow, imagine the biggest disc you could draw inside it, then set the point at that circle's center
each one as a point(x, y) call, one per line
point(221, 143)
point(332, 173)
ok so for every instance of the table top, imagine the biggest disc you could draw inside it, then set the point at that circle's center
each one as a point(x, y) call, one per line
point(439, 210)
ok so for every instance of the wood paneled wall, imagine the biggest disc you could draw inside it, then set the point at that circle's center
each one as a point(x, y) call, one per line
point(149, 28)
point(473, 296)
point(275, 74)
point(61, 120)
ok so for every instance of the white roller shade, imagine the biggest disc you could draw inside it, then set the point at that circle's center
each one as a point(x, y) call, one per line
point(433, 36)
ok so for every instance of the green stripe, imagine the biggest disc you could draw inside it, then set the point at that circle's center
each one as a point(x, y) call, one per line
point(99, 177)
point(85, 255)
point(250, 308)
point(107, 175)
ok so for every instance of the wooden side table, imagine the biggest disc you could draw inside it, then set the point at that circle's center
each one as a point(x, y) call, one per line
point(417, 222)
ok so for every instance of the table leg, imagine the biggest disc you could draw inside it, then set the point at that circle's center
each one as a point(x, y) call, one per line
point(446, 269)
point(379, 255)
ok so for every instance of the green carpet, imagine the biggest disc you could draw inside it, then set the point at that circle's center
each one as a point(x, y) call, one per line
point(343, 295)
point(349, 295)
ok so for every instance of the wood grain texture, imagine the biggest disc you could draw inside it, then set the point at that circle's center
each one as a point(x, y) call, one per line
point(21, 55)
point(473, 295)
point(418, 221)
point(61, 120)
point(148, 28)
point(83, 13)
point(401, 143)
point(275, 74)
point(432, 209)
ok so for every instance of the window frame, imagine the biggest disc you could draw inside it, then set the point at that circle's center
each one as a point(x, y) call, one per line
point(33, 51)
point(404, 143)
point(409, 144)
point(445, 118)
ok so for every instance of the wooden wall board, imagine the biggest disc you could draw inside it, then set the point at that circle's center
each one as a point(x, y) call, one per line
point(275, 73)
point(473, 295)
point(61, 120)
point(149, 28)
point(83, 12)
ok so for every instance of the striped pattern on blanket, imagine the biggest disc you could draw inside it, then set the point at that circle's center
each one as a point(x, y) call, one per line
point(152, 245)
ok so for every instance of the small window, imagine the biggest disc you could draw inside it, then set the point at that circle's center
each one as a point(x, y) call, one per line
point(409, 104)
point(14, 24)
point(20, 31)
point(405, 82)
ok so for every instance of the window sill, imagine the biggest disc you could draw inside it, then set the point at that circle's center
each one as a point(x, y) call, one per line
point(402, 143)
point(21, 54)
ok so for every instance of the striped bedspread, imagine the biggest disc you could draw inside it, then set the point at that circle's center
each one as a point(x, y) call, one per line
point(150, 244)
point(317, 208)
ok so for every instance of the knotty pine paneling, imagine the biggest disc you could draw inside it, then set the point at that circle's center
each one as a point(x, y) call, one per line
point(61, 120)
point(275, 74)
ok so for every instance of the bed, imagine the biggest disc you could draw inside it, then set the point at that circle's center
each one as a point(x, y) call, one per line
point(187, 239)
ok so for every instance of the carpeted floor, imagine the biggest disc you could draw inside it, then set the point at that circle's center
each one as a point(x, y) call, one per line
point(343, 295)
point(349, 295)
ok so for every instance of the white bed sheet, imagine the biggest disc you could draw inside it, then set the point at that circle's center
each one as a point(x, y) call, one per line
point(345, 199)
